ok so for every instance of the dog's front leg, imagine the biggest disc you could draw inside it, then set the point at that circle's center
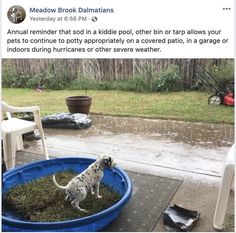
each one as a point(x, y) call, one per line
point(92, 191)
point(97, 185)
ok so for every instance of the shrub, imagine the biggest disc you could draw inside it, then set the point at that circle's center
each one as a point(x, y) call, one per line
point(9, 79)
point(168, 80)
point(224, 74)
point(36, 80)
point(49, 79)
point(52, 79)
point(84, 83)
point(12, 78)
point(141, 83)
point(147, 81)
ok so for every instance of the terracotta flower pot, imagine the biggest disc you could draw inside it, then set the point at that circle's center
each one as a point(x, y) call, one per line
point(79, 104)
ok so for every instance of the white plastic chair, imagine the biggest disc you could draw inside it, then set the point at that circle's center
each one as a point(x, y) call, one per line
point(12, 130)
point(225, 187)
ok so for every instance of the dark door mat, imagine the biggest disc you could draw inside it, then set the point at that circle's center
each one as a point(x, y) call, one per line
point(151, 196)
point(228, 225)
point(23, 157)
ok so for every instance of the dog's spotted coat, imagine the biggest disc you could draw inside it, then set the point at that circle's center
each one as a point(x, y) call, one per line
point(77, 189)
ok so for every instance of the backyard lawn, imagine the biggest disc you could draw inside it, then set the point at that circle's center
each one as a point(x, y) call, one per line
point(187, 106)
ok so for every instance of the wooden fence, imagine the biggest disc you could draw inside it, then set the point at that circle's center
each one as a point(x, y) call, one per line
point(109, 69)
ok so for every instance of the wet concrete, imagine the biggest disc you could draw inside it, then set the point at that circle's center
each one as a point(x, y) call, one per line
point(203, 134)
point(178, 147)
point(202, 197)
point(192, 152)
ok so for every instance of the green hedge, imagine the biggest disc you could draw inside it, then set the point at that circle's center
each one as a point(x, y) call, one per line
point(166, 80)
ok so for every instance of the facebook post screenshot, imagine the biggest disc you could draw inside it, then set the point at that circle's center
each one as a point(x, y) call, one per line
point(117, 116)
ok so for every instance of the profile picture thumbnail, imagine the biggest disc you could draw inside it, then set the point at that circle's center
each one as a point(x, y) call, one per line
point(16, 14)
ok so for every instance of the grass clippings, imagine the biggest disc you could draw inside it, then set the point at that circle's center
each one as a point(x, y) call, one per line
point(41, 201)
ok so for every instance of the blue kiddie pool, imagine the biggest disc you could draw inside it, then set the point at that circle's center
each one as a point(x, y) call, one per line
point(116, 178)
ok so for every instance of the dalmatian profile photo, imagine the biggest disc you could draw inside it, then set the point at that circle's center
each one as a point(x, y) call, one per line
point(16, 14)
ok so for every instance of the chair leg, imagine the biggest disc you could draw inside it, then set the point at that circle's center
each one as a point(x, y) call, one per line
point(223, 196)
point(232, 184)
point(40, 128)
point(9, 148)
point(19, 142)
point(43, 143)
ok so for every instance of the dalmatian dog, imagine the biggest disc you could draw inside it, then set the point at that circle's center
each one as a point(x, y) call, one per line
point(16, 15)
point(89, 180)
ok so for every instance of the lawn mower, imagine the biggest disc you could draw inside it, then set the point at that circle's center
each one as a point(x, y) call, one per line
point(223, 95)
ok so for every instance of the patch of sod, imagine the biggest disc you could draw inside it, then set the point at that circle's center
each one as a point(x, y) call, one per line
point(41, 201)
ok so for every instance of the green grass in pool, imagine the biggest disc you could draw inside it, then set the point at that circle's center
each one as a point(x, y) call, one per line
point(41, 201)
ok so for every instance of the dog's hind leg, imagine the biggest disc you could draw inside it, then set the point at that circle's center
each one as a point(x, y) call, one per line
point(79, 196)
point(75, 203)
point(68, 196)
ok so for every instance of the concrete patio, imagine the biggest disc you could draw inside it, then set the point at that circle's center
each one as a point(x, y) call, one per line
point(191, 152)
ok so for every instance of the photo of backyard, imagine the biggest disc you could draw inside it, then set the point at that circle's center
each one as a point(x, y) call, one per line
point(161, 132)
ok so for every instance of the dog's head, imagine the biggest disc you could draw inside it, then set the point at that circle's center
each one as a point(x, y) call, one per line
point(107, 161)
point(14, 10)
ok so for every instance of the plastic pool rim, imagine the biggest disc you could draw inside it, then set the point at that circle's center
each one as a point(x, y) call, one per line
point(69, 223)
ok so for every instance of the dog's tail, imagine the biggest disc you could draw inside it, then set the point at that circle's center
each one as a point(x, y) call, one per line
point(56, 184)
